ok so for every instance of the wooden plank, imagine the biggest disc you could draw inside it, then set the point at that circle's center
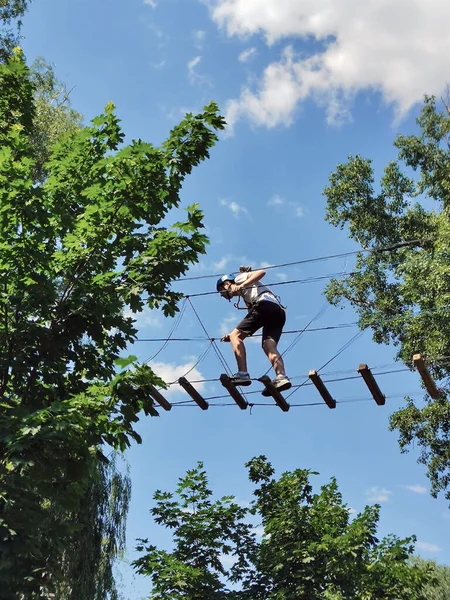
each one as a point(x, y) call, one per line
point(281, 402)
point(369, 379)
point(322, 389)
point(190, 389)
point(159, 398)
point(432, 389)
point(233, 391)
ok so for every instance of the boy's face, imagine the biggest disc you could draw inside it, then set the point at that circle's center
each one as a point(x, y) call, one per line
point(223, 289)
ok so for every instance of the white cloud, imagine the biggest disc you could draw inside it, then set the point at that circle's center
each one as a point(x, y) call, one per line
point(227, 560)
point(426, 547)
point(352, 511)
point(417, 489)
point(236, 209)
point(151, 3)
point(176, 113)
point(259, 531)
point(298, 209)
point(236, 261)
point(377, 494)
point(146, 318)
point(281, 276)
point(191, 68)
point(246, 55)
point(194, 76)
point(170, 372)
point(159, 65)
point(243, 503)
point(157, 33)
point(396, 47)
point(276, 200)
point(276, 100)
point(221, 264)
point(199, 37)
point(228, 324)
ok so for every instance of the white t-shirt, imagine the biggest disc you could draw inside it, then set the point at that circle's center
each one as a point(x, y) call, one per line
point(255, 292)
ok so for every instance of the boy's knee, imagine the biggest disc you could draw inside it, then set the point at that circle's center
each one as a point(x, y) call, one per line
point(269, 345)
point(237, 335)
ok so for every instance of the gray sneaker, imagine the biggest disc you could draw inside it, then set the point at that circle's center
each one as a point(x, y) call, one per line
point(241, 379)
point(281, 383)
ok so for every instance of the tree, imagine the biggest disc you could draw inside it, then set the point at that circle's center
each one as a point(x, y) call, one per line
point(89, 557)
point(204, 532)
point(54, 116)
point(11, 12)
point(400, 287)
point(311, 548)
point(438, 588)
point(76, 251)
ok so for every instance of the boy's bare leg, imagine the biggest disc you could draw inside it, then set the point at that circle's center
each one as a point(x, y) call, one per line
point(237, 342)
point(271, 350)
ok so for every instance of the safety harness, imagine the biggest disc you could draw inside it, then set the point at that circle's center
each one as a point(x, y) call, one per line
point(251, 305)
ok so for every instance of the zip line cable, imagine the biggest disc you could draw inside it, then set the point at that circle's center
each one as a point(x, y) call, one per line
point(343, 371)
point(281, 265)
point(199, 360)
point(290, 332)
point(340, 351)
point(301, 332)
point(321, 311)
point(305, 280)
point(191, 403)
point(343, 348)
point(171, 332)
point(219, 354)
point(328, 327)
point(308, 383)
point(322, 258)
point(223, 361)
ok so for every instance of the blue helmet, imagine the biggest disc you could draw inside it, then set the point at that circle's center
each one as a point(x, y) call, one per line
point(229, 277)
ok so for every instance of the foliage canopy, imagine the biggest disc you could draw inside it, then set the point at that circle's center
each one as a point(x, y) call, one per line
point(78, 250)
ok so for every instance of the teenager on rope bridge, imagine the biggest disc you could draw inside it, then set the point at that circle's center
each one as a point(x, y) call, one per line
point(264, 310)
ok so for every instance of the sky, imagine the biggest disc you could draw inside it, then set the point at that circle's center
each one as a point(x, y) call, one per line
point(303, 85)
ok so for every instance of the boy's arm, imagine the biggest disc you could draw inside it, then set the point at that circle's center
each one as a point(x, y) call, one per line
point(252, 277)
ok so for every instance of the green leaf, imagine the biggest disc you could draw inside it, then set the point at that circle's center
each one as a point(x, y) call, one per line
point(126, 361)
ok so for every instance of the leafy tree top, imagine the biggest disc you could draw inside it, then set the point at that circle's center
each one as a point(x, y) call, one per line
point(403, 294)
point(311, 547)
point(80, 248)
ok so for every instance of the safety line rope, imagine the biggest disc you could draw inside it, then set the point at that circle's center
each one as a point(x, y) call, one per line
point(322, 258)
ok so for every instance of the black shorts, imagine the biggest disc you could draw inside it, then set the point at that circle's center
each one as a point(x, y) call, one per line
point(266, 314)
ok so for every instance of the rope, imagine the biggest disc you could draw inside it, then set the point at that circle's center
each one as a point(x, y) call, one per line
point(219, 354)
point(217, 350)
point(191, 403)
point(301, 332)
point(290, 332)
point(306, 280)
point(317, 316)
point(405, 318)
point(199, 360)
point(329, 257)
point(305, 384)
point(171, 332)
point(341, 349)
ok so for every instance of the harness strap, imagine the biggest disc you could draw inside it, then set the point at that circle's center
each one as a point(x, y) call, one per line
point(251, 305)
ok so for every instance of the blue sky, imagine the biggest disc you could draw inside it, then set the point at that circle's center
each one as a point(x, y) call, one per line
point(303, 85)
